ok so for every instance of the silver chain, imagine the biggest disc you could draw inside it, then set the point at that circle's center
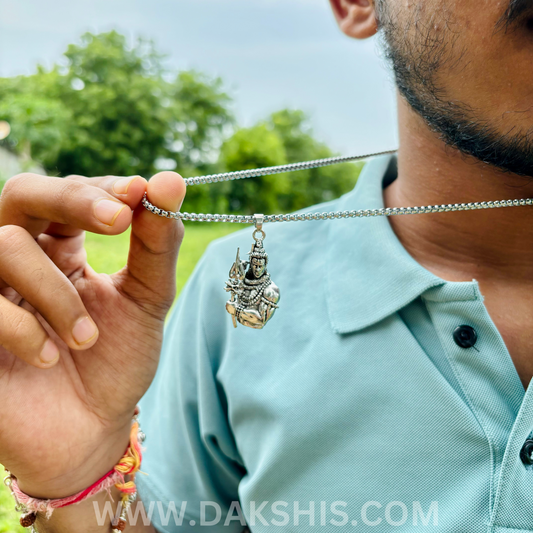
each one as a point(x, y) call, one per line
point(280, 169)
point(295, 217)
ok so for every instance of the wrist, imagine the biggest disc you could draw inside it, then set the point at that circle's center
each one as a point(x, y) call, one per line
point(88, 515)
point(120, 478)
point(84, 471)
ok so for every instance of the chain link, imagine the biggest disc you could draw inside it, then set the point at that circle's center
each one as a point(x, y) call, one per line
point(295, 217)
point(280, 169)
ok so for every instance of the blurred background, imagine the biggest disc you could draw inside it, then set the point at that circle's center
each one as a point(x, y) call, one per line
point(98, 87)
point(113, 87)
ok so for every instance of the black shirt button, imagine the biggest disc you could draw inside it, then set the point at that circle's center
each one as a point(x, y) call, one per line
point(526, 453)
point(465, 336)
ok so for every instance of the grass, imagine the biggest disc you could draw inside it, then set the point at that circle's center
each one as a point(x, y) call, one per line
point(109, 254)
point(8, 517)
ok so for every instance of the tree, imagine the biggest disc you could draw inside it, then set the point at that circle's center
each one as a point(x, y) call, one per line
point(255, 147)
point(113, 109)
point(114, 94)
point(199, 108)
point(285, 137)
point(38, 121)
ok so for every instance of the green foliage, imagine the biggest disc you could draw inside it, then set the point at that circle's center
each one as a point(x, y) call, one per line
point(113, 93)
point(112, 109)
point(199, 108)
point(38, 121)
point(254, 147)
point(309, 187)
point(284, 138)
point(200, 118)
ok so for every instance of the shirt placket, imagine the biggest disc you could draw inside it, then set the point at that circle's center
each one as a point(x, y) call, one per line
point(493, 391)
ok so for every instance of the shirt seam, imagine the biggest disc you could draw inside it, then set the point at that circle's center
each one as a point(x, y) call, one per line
point(447, 300)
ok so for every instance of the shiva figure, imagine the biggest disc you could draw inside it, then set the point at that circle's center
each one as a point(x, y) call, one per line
point(254, 296)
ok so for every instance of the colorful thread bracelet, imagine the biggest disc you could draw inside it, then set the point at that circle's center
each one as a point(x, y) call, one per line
point(129, 465)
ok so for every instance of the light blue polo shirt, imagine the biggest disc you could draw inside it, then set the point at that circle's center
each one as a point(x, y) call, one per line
point(354, 409)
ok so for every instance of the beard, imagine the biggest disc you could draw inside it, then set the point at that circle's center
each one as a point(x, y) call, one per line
point(420, 57)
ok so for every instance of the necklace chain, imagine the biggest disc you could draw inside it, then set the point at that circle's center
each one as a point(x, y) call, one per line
point(280, 169)
point(294, 217)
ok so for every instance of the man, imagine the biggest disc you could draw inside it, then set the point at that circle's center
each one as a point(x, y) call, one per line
point(389, 388)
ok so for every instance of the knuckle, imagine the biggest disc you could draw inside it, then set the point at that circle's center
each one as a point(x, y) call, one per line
point(10, 236)
point(75, 177)
point(17, 183)
point(67, 295)
point(12, 246)
point(67, 192)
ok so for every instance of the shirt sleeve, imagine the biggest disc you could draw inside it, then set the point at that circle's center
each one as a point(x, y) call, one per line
point(190, 454)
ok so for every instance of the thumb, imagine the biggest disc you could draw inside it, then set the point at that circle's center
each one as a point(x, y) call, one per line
point(150, 275)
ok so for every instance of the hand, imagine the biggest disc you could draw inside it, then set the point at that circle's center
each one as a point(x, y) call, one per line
point(78, 349)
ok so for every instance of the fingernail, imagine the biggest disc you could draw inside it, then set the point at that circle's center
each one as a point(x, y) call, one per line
point(122, 185)
point(49, 353)
point(84, 331)
point(107, 211)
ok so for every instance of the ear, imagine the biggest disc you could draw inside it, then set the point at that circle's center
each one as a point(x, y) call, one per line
point(356, 18)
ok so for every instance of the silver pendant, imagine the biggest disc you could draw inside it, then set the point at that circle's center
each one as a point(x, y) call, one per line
point(254, 296)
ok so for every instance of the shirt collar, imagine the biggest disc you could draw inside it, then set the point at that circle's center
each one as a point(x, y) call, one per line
point(370, 275)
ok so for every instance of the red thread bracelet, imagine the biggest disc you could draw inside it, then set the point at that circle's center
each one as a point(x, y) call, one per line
point(128, 465)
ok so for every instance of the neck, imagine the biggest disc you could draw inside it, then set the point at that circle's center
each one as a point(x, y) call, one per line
point(484, 245)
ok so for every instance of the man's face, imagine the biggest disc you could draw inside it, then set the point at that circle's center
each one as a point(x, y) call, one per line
point(467, 68)
point(258, 267)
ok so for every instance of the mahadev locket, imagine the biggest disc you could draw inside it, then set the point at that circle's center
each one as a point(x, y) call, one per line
point(254, 297)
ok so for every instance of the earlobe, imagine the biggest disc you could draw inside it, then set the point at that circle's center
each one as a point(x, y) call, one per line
point(356, 18)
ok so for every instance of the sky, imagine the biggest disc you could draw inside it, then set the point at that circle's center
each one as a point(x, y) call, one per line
point(271, 54)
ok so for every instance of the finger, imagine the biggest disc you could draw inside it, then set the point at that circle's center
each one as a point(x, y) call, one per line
point(129, 190)
point(23, 335)
point(30, 272)
point(150, 276)
point(32, 202)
